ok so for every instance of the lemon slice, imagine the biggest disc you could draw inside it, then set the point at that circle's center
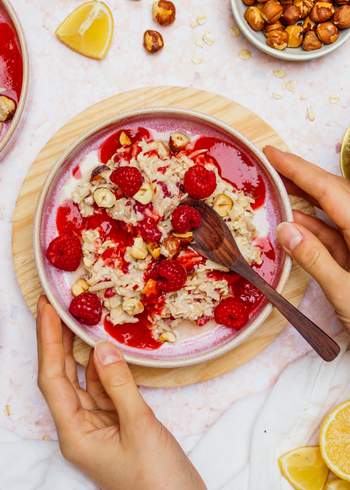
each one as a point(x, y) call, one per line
point(335, 440)
point(338, 485)
point(88, 30)
point(304, 468)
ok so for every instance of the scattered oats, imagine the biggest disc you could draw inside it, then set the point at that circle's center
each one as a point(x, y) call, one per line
point(290, 85)
point(279, 73)
point(7, 410)
point(235, 31)
point(310, 114)
point(302, 97)
point(197, 61)
point(45, 438)
point(245, 54)
point(208, 39)
point(199, 43)
point(277, 96)
point(199, 21)
point(334, 99)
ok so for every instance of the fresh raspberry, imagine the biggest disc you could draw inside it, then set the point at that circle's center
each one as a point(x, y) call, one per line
point(185, 218)
point(232, 313)
point(128, 179)
point(199, 182)
point(86, 308)
point(149, 230)
point(170, 275)
point(64, 252)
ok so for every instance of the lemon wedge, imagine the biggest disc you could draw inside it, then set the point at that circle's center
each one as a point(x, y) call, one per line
point(338, 485)
point(335, 440)
point(88, 30)
point(304, 468)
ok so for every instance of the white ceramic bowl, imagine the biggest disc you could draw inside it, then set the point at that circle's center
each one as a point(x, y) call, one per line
point(289, 54)
point(197, 349)
point(5, 140)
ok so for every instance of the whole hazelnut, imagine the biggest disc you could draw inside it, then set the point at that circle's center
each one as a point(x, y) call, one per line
point(153, 41)
point(327, 32)
point(277, 26)
point(277, 39)
point(295, 36)
point(249, 2)
point(272, 11)
point(342, 17)
point(322, 11)
point(291, 15)
point(164, 12)
point(255, 18)
point(311, 41)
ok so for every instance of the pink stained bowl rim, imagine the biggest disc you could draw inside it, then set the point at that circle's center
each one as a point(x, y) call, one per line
point(41, 264)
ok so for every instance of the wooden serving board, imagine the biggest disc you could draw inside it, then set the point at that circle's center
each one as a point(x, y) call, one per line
point(228, 111)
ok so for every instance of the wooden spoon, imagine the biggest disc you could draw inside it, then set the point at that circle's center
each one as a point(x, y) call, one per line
point(214, 241)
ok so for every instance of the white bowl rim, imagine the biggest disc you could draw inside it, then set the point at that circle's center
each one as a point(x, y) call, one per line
point(24, 91)
point(285, 55)
point(39, 259)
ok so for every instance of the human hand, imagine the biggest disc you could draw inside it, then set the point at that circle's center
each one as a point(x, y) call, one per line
point(323, 251)
point(107, 430)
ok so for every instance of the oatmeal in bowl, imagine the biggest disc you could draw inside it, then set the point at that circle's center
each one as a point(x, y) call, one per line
point(113, 236)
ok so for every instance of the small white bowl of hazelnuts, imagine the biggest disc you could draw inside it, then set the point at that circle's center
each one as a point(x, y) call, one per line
point(294, 30)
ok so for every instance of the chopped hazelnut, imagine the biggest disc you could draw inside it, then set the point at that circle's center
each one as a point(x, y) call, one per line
point(277, 39)
point(178, 141)
point(255, 18)
point(311, 42)
point(342, 17)
point(97, 173)
point(7, 108)
point(327, 32)
point(164, 12)
point(153, 41)
point(295, 36)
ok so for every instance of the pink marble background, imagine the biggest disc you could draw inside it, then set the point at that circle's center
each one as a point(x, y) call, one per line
point(308, 104)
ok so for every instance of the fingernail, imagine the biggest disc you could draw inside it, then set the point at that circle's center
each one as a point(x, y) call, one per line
point(289, 236)
point(107, 353)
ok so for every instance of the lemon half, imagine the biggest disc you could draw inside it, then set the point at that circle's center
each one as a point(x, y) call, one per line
point(304, 468)
point(335, 440)
point(88, 30)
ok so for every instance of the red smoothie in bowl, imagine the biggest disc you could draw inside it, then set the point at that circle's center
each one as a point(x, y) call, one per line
point(13, 68)
point(113, 239)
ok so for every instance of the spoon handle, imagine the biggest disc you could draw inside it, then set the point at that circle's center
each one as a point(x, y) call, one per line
point(324, 345)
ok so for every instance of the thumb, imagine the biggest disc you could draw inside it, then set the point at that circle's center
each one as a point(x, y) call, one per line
point(314, 257)
point(119, 383)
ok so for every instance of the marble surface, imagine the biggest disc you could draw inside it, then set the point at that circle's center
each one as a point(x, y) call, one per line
point(308, 104)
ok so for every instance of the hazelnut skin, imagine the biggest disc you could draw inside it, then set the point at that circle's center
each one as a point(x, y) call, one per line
point(153, 41)
point(327, 32)
point(309, 25)
point(311, 42)
point(342, 17)
point(322, 11)
point(291, 15)
point(295, 36)
point(277, 26)
point(277, 39)
point(163, 12)
point(272, 11)
point(255, 18)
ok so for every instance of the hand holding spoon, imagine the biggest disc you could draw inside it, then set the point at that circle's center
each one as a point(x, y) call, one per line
point(214, 241)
